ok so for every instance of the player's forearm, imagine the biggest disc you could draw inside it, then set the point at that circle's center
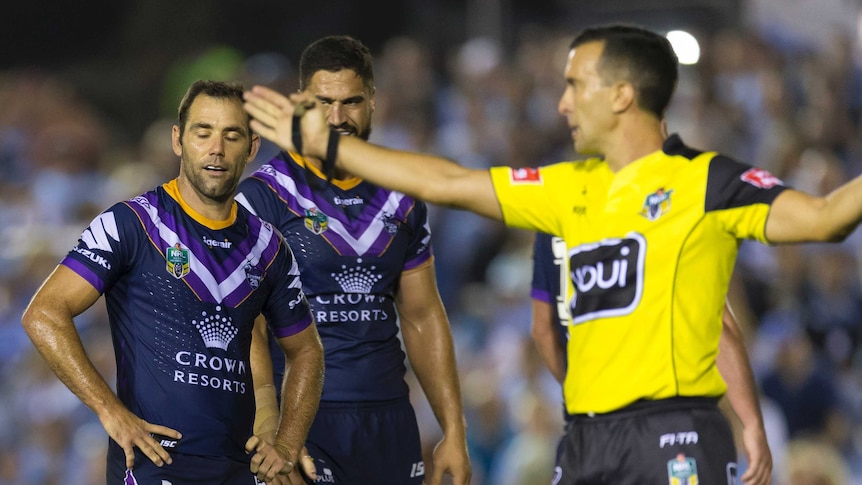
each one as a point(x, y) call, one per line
point(432, 357)
point(735, 368)
point(421, 176)
point(554, 357)
point(547, 339)
point(266, 403)
point(300, 397)
point(426, 177)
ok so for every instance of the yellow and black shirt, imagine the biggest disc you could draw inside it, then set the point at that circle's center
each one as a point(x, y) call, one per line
point(651, 249)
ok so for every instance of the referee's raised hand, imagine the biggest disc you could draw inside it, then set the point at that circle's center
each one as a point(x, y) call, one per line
point(273, 117)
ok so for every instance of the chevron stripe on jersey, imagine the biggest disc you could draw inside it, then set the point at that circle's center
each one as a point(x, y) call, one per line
point(367, 235)
point(96, 236)
point(223, 282)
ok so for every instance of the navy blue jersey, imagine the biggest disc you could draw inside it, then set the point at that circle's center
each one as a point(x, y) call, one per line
point(182, 293)
point(352, 241)
point(549, 277)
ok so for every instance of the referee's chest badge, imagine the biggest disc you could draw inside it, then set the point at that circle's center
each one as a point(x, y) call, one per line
point(682, 470)
point(656, 204)
point(177, 258)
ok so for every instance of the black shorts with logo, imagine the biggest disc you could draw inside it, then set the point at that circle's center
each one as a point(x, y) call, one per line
point(677, 441)
point(368, 443)
point(184, 470)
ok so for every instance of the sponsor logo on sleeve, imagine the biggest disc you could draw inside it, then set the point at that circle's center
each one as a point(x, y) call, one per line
point(527, 175)
point(760, 178)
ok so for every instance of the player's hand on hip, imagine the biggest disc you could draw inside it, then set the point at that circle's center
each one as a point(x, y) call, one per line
point(130, 431)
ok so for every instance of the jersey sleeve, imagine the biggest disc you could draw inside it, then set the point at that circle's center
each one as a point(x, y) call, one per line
point(260, 199)
point(545, 283)
point(105, 248)
point(419, 248)
point(527, 197)
point(740, 196)
point(287, 311)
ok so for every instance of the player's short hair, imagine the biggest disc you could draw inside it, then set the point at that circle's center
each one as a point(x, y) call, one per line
point(213, 89)
point(639, 56)
point(335, 53)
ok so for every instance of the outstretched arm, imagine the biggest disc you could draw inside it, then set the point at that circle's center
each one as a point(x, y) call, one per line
point(735, 368)
point(426, 177)
point(799, 217)
point(428, 341)
point(48, 321)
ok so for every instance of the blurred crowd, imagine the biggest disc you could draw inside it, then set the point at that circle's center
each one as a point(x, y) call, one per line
point(793, 109)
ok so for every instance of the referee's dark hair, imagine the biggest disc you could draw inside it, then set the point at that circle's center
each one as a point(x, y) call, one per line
point(639, 56)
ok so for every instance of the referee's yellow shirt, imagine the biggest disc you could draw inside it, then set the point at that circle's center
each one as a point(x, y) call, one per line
point(651, 250)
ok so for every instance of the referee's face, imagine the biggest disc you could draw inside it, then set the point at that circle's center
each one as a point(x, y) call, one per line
point(587, 100)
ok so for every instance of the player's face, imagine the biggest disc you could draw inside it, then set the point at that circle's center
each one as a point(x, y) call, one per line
point(215, 148)
point(347, 101)
point(586, 100)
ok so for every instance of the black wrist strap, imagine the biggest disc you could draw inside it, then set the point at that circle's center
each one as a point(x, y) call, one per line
point(296, 133)
point(331, 155)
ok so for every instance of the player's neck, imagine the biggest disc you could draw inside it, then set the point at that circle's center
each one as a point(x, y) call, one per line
point(208, 208)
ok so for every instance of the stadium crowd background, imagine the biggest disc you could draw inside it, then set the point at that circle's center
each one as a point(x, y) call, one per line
point(87, 97)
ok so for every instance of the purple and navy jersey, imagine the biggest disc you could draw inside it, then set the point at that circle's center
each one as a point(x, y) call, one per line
point(549, 279)
point(182, 293)
point(352, 241)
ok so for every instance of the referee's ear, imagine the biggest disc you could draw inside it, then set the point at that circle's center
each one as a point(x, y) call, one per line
point(623, 97)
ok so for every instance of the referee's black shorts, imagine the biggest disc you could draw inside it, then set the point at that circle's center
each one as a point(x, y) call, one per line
point(677, 441)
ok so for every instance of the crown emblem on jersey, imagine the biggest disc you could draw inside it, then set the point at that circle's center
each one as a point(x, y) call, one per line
point(316, 221)
point(217, 331)
point(656, 204)
point(356, 279)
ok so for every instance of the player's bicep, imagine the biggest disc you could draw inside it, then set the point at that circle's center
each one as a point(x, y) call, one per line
point(63, 296)
point(418, 297)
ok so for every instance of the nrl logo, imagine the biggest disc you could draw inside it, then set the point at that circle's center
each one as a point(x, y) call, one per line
point(177, 259)
point(316, 221)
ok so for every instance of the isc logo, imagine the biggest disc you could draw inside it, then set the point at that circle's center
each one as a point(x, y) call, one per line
point(607, 276)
